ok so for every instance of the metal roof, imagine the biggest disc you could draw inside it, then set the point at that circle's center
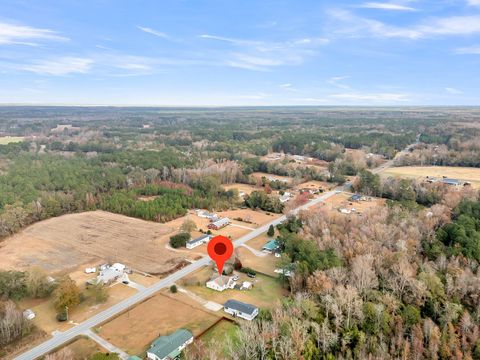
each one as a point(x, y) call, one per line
point(198, 239)
point(240, 306)
point(168, 344)
point(271, 245)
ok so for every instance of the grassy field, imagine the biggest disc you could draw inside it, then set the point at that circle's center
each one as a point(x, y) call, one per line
point(461, 173)
point(4, 140)
point(83, 348)
point(265, 264)
point(162, 314)
point(263, 294)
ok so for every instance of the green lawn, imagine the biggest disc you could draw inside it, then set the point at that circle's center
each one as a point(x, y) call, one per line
point(10, 139)
point(220, 332)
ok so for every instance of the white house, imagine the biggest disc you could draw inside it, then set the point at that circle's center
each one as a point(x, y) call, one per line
point(285, 197)
point(240, 309)
point(221, 283)
point(170, 347)
point(108, 274)
point(198, 241)
point(216, 225)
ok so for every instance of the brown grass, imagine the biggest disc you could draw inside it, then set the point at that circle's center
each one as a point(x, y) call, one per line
point(461, 173)
point(83, 348)
point(68, 241)
point(160, 315)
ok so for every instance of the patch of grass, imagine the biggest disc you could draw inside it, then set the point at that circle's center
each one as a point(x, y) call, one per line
point(11, 139)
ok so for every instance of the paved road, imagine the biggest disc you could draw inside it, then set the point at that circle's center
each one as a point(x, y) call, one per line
point(106, 345)
point(68, 335)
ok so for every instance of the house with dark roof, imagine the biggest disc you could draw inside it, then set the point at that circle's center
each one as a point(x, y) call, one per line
point(198, 241)
point(355, 197)
point(170, 347)
point(240, 309)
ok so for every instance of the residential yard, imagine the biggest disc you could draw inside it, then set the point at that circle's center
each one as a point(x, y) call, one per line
point(251, 218)
point(418, 172)
point(162, 314)
point(83, 348)
point(313, 184)
point(263, 294)
point(259, 175)
point(265, 264)
point(220, 332)
point(46, 315)
point(66, 242)
point(258, 242)
point(342, 200)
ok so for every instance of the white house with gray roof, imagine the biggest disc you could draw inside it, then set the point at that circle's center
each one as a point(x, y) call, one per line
point(205, 238)
point(240, 309)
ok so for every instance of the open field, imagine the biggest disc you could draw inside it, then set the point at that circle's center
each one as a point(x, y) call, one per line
point(61, 243)
point(461, 173)
point(264, 293)
point(258, 242)
point(264, 264)
point(314, 184)
point(247, 189)
point(251, 218)
point(162, 314)
point(259, 175)
point(4, 140)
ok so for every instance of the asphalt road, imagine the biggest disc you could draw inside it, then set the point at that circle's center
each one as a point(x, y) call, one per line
point(63, 337)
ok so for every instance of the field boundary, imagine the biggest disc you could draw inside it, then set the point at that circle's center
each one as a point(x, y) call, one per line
point(223, 317)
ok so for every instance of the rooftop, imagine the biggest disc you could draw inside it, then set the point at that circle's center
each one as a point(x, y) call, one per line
point(240, 306)
point(168, 344)
point(271, 245)
point(198, 239)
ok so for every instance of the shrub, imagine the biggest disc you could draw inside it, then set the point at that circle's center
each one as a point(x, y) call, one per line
point(173, 289)
point(179, 240)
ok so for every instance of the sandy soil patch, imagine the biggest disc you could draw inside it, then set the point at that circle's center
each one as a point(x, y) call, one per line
point(134, 330)
point(461, 173)
point(67, 241)
point(83, 348)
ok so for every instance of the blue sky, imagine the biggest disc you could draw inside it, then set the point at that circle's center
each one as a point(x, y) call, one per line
point(240, 52)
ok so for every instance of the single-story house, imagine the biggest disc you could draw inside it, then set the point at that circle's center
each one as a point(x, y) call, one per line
point(198, 241)
point(286, 271)
point(240, 309)
point(285, 197)
point(271, 246)
point(207, 215)
point(218, 224)
point(246, 285)
point(108, 274)
point(272, 179)
point(221, 283)
point(453, 182)
point(170, 347)
point(298, 157)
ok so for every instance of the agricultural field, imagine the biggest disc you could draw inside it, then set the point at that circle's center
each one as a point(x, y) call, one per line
point(246, 188)
point(263, 294)
point(162, 314)
point(421, 172)
point(65, 242)
point(4, 140)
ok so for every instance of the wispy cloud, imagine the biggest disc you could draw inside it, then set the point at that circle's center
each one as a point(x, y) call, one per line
point(371, 97)
point(288, 87)
point(473, 2)
point(26, 35)
point(475, 50)
point(336, 81)
point(453, 91)
point(60, 66)
point(347, 23)
point(154, 32)
point(386, 6)
point(263, 55)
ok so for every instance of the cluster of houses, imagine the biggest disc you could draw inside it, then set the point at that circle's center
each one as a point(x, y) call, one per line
point(169, 347)
point(108, 274)
point(216, 222)
point(447, 181)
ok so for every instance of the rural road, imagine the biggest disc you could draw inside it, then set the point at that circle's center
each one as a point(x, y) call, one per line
point(63, 337)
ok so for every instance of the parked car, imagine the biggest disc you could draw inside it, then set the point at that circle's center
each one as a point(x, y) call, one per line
point(277, 255)
point(126, 282)
point(250, 275)
point(29, 314)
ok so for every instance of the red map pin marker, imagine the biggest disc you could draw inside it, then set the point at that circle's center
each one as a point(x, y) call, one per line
point(220, 248)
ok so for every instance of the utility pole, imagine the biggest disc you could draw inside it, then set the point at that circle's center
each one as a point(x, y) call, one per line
point(66, 310)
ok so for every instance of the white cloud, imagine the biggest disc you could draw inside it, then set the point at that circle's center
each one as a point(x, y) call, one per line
point(336, 81)
point(348, 24)
point(25, 35)
point(288, 87)
point(60, 66)
point(453, 91)
point(475, 50)
point(473, 2)
point(154, 32)
point(371, 97)
point(262, 55)
point(386, 6)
